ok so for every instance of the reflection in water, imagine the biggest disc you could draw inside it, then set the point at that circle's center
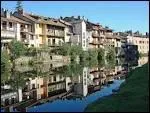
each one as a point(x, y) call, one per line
point(49, 87)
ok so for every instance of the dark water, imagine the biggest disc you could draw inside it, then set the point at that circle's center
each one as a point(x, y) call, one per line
point(58, 87)
point(75, 105)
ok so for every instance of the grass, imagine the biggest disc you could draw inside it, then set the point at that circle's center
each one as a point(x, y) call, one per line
point(132, 97)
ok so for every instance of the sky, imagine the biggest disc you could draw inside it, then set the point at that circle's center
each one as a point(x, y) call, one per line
point(118, 15)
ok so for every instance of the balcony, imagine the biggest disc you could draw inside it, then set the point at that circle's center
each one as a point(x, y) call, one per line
point(59, 33)
point(99, 42)
point(24, 30)
point(55, 33)
point(102, 35)
point(109, 36)
point(95, 35)
point(7, 34)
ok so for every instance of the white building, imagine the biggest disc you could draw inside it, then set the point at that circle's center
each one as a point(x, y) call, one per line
point(142, 43)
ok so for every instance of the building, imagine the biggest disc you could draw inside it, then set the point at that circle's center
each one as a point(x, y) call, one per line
point(68, 30)
point(29, 33)
point(79, 30)
point(141, 42)
point(8, 28)
point(47, 31)
point(95, 34)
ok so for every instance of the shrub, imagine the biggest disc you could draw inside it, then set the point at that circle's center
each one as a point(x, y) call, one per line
point(110, 53)
point(16, 49)
point(93, 54)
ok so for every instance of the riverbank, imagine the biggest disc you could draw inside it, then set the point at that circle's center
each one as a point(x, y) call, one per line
point(132, 97)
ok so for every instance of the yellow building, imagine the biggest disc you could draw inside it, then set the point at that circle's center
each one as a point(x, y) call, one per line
point(50, 32)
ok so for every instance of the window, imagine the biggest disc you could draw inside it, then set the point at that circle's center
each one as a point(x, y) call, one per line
point(10, 24)
point(54, 78)
point(53, 41)
point(4, 25)
point(33, 86)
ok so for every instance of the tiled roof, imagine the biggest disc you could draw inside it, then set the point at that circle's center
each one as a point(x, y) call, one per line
point(19, 20)
point(51, 22)
point(14, 19)
point(29, 17)
point(64, 22)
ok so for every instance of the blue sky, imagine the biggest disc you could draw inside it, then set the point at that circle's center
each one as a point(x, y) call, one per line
point(120, 16)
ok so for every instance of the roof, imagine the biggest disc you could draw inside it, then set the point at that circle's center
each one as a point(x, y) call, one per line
point(64, 22)
point(109, 36)
point(108, 29)
point(14, 19)
point(19, 20)
point(29, 17)
point(52, 22)
point(7, 19)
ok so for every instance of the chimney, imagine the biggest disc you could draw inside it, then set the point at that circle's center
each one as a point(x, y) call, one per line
point(61, 17)
point(11, 13)
point(83, 17)
point(7, 14)
point(87, 20)
point(79, 17)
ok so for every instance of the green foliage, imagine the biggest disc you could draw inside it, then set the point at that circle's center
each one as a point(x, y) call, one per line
point(101, 63)
point(101, 52)
point(110, 63)
point(5, 61)
point(5, 66)
point(64, 50)
point(132, 97)
point(73, 69)
point(17, 49)
point(19, 6)
point(31, 62)
point(110, 53)
point(93, 54)
point(31, 51)
point(74, 51)
point(84, 56)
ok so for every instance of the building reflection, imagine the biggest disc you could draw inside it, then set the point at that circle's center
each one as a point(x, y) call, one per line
point(49, 85)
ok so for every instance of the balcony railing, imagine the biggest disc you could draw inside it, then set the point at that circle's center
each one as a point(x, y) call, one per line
point(109, 35)
point(24, 30)
point(95, 35)
point(98, 42)
point(55, 33)
point(102, 35)
point(7, 28)
point(8, 34)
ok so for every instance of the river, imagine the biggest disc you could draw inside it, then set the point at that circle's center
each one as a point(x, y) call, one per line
point(61, 88)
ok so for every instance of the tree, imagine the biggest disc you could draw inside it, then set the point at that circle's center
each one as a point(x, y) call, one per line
point(74, 51)
point(110, 53)
point(93, 54)
point(19, 6)
point(16, 49)
point(100, 54)
point(64, 49)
